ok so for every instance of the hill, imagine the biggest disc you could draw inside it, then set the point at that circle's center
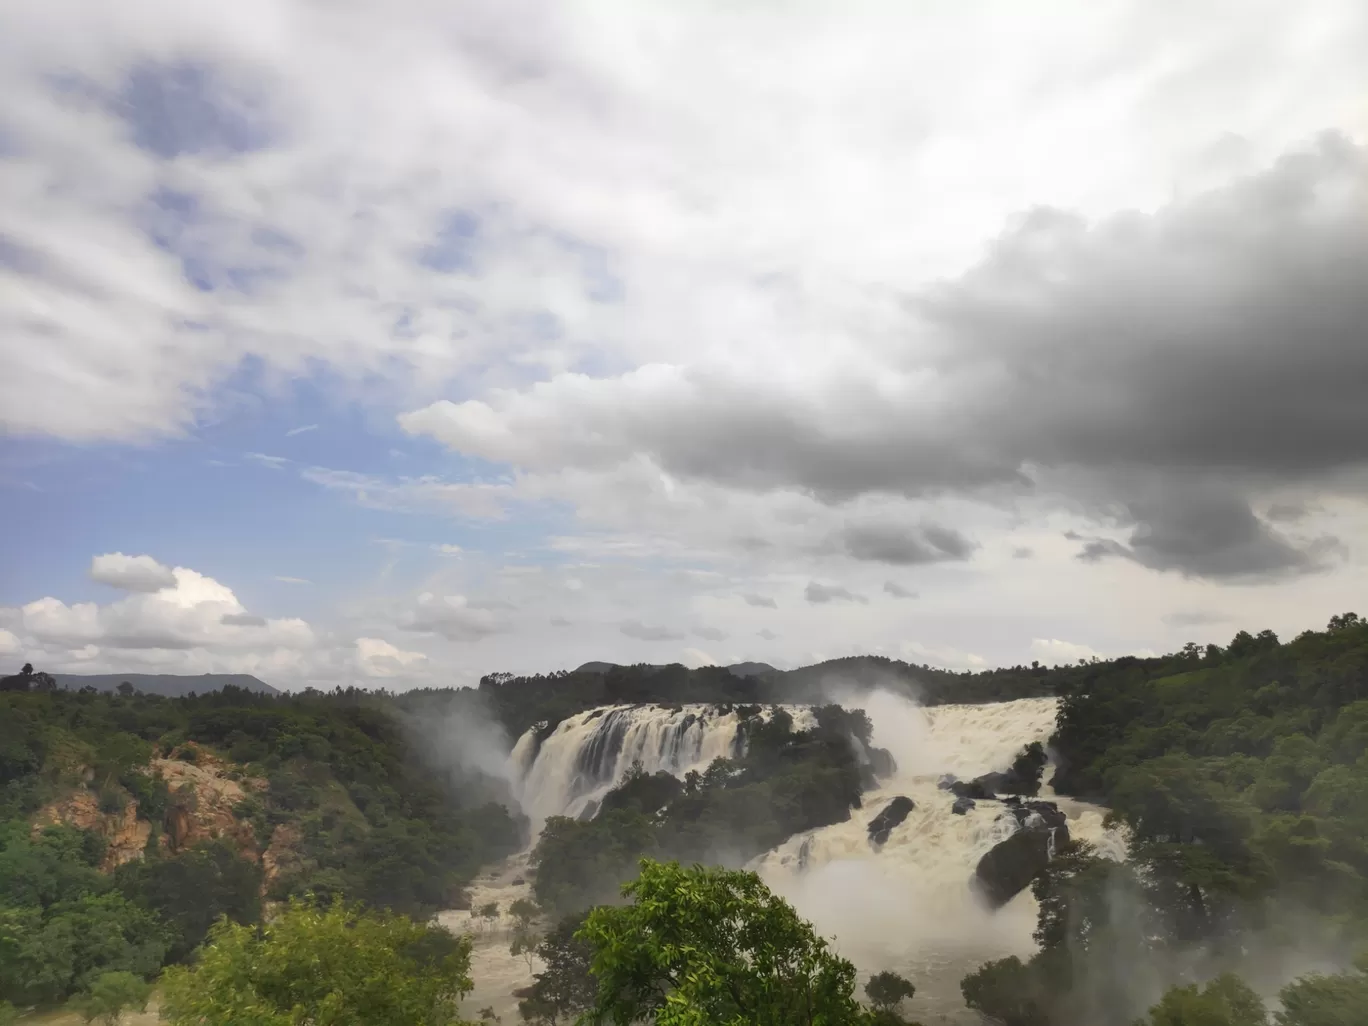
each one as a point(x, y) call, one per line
point(169, 685)
point(739, 669)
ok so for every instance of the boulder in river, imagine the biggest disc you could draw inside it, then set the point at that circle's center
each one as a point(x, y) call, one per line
point(1010, 866)
point(891, 815)
point(962, 805)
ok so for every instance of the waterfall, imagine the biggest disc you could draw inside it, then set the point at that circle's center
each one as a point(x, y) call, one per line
point(589, 754)
point(908, 906)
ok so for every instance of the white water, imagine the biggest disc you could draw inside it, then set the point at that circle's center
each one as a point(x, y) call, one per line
point(906, 907)
point(589, 754)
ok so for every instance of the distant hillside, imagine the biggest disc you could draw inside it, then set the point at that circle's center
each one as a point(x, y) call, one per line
point(172, 685)
point(738, 669)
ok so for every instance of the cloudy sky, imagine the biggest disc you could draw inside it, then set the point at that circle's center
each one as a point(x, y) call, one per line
point(404, 342)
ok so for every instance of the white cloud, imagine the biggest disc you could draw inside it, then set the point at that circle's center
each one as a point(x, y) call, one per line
point(9, 644)
point(291, 580)
point(302, 429)
point(453, 617)
point(1052, 651)
point(378, 658)
point(131, 573)
point(942, 656)
point(194, 625)
point(681, 308)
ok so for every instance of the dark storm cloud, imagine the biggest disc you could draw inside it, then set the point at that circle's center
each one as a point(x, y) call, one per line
point(1223, 338)
point(905, 546)
point(1227, 334)
point(646, 632)
point(820, 594)
point(897, 590)
point(709, 634)
point(760, 601)
point(1201, 529)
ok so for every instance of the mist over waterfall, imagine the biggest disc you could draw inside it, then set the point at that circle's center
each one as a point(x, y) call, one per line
point(589, 754)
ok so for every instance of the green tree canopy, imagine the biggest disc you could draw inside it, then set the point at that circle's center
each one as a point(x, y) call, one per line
point(111, 995)
point(712, 947)
point(1225, 1001)
point(339, 966)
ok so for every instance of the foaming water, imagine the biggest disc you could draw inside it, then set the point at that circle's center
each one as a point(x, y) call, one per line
point(908, 905)
point(589, 754)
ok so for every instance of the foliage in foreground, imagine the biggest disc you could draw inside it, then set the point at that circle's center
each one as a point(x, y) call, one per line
point(340, 966)
point(712, 947)
point(111, 995)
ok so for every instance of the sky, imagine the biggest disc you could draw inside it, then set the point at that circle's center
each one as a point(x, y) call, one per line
point(398, 343)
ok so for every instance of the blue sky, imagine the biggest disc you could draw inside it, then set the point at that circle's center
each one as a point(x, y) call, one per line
point(404, 344)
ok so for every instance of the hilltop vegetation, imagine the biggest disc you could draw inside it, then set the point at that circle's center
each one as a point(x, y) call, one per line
point(520, 702)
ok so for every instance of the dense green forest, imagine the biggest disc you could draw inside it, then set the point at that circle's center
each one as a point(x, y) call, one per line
point(1241, 774)
point(332, 797)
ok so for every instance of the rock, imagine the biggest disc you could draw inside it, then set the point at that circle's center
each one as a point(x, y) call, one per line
point(282, 856)
point(1010, 866)
point(125, 835)
point(589, 811)
point(962, 805)
point(971, 789)
point(892, 814)
point(947, 781)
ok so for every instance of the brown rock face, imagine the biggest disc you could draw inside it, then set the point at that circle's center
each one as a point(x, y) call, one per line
point(124, 833)
point(281, 855)
point(202, 803)
point(201, 809)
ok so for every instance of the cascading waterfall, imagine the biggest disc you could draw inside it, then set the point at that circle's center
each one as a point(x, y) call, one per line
point(589, 754)
point(906, 904)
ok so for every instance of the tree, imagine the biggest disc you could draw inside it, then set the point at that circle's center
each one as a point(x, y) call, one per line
point(111, 995)
point(526, 937)
point(126, 689)
point(566, 984)
point(886, 990)
point(489, 913)
point(1326, 1000)
point(713, 947)
point(194, 888)
point(1225, 1001)
point(339, 966)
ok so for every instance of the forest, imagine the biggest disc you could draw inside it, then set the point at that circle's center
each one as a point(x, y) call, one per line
point(317, 794)
point(1240, 774)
